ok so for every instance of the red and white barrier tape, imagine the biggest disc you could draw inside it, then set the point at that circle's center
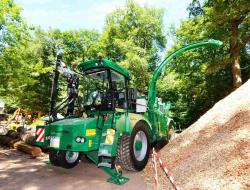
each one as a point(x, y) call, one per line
point(166, 171)
point(155, 171)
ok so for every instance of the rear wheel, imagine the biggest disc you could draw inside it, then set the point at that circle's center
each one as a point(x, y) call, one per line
point(68, 159)
point(133, 150)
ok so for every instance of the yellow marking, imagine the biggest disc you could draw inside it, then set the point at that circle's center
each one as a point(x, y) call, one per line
point(90, 143)
point(109, 139)
point(111, 132)
point(90, 132)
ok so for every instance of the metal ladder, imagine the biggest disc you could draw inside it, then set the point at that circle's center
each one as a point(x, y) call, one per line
point(107, 148)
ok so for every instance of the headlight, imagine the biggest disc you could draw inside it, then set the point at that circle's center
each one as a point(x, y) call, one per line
point(80, 139)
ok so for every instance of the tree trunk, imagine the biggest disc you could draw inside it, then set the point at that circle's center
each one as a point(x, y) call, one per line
point(33, 150)
point(235, 69)
point(235, 57)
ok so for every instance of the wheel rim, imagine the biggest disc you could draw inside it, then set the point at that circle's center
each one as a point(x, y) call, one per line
point(71, 157)
point(140, 146)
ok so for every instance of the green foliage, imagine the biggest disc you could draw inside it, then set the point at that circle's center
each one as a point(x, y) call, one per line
point(76, 46)
point(200, 78)
point(27, 63)
point(13, 34)
point(12, 26)
point(134, 36)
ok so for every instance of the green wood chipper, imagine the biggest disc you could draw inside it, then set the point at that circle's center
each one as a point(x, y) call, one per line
point(118, 127)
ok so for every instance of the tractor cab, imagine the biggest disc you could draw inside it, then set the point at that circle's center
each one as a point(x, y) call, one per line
point(106, 85)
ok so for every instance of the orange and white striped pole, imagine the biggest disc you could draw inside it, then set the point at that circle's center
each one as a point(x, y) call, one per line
point(166, 171)
point(155, 170)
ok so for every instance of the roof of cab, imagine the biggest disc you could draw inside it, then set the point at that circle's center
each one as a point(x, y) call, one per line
point(102, 63)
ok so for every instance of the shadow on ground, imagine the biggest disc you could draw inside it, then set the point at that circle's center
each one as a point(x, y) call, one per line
point(19, 171)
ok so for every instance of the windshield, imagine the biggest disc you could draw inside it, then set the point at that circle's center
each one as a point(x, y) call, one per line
point(96, 85)
point(99, 95)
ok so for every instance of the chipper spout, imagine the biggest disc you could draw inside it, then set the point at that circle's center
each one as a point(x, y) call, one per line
point(157, 72)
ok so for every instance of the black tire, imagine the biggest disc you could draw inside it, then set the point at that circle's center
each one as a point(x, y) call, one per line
point(53, 157)
point(63, 159)
point(126, 155)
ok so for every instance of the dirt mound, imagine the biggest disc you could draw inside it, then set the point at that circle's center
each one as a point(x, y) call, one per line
point(214, 152)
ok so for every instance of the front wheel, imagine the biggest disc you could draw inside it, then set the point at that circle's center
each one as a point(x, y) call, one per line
point(68, 159)
point(133, 150)
point(53, 157)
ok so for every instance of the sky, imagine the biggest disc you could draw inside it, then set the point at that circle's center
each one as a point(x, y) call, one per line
point(87, 14)
point(90, 14)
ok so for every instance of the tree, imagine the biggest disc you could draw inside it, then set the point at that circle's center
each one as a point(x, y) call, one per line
point(229, 21)
point(14, 34)
point(198, 79)
point(133, 36)
point(27, 63)
point(40, 56)
point(77, 45)
point(12, 26)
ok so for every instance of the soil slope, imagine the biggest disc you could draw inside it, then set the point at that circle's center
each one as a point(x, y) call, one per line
point(214, 152)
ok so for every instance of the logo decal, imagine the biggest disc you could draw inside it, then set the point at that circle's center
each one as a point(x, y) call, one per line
point(90, 132)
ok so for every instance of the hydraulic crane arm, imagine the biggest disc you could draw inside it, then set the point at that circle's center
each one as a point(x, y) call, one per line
point(72, 83)
point(157, 72)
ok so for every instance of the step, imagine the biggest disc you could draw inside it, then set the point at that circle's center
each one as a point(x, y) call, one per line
point(104, 164)
point(104, 154)
point(105, 144)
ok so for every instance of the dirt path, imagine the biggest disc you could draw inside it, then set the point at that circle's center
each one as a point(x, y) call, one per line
point(19, 171)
